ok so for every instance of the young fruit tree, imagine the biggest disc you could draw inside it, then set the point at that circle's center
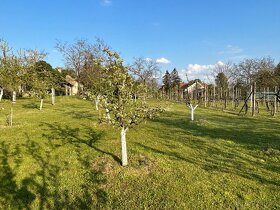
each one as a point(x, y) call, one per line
point(41, 77)
point(91, 79)
point(117, 97)
point(10, 74)
point(192, 109)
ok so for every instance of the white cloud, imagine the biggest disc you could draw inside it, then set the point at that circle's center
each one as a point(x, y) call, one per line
point(231, 50)
point(148, 59)
point(163, 61)
point(220, 63)
point(197, 71)
point(106, 2)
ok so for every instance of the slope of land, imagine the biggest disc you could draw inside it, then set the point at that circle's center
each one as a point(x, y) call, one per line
point(61, 157)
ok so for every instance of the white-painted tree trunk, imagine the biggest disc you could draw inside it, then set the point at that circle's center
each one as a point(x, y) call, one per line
point(192, 111)
point(53, 96)
point(123, 144)
point(96, 105)
point(41, 104)
point(11, 117)
point(14, 97)
point(97, 100)
point(1, 93)
point(107, 111)
point(108, 114)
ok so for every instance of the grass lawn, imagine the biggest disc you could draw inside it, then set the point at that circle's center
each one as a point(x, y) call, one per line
point(61, 158)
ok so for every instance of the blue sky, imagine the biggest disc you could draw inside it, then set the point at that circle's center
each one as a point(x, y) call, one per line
point(191, 35)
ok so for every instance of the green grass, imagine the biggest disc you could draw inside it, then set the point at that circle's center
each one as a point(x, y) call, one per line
point(61, 158)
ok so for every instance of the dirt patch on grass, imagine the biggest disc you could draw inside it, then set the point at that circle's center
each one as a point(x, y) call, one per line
point(105, 165)
point(138, 165)
point(141, 165)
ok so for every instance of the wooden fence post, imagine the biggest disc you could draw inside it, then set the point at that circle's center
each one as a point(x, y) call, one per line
point(214, 98)
point(253, 98)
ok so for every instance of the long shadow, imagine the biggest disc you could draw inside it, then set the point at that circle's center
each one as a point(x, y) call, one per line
point(212, 162)
point(12, 194)
point(42, 188)
point(246, 131)
point(31, 106)
point(59, 135)
point(80, 115)
point(205, 136)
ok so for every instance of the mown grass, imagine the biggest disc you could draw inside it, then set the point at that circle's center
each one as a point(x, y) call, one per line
point(61, 158)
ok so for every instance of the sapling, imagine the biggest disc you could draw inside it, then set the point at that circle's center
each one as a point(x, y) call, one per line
point(192, 108)
point(117, 92)
point(41, 77)
point(10, 73)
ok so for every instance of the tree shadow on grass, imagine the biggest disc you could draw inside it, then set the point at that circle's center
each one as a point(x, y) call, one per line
point(12, 194)
point(42, 187)
point(81, 115)
point(252, 133)
point(31, 105)
point(234, 147)
point(219, 161)
point(59, 135)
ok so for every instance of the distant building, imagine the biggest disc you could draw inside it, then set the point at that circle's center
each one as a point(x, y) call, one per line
point(195, 89)
point(71, 87)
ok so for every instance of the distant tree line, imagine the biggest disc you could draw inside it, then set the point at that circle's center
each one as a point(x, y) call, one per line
point(171, 84)
point(26, 72)
point(242, 75)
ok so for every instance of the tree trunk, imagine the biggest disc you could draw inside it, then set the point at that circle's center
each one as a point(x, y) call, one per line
point(275, 102)
point(192, 111)
point(107, 110)
point(225, 100)
point(232, 103)
point(108, 114)
point(123, 145)
point(14, 97)
point(205, 95)
point(41, 104)
point(178, 92)
point(11, 116)
point(97, 102)
point(1, 93)
point(96, 105)
point(251, 99)
point(254, 99)
point(214, 97)
point(53, 96)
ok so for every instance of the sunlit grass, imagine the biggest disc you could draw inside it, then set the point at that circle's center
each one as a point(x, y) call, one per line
point(61, 157)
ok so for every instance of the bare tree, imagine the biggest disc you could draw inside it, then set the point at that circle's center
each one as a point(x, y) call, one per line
point(5, 49)
point(247, 69)
point(226, 68)
point(75, 56)
point(145, 70)
point(31, 56)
